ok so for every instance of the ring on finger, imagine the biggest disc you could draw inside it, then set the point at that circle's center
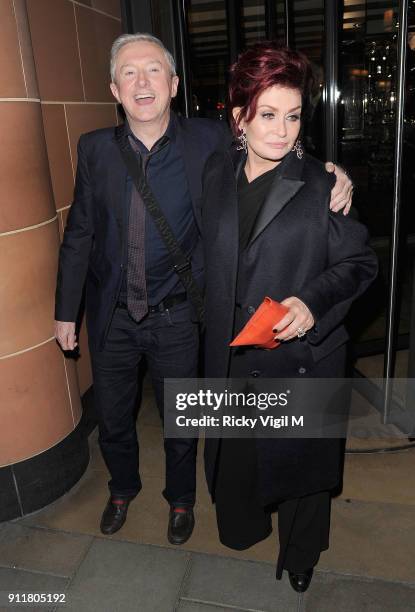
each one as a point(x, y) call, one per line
point(301, 332)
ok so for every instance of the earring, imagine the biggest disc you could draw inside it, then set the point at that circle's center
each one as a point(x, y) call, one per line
point(242, 146)
point(298, 148)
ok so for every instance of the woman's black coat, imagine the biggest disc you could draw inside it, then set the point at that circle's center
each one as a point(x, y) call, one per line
point(297, 248)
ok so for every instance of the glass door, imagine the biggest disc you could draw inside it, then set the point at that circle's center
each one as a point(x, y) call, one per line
point(353, 47)
point(209, 56)
point(367, 123)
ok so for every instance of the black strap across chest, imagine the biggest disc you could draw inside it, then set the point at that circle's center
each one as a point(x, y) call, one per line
point(181, 264)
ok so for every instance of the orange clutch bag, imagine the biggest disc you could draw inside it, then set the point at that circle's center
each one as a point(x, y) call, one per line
point(258, 330)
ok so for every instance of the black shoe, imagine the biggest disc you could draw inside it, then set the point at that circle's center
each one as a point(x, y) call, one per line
point(181, 523)
point(301, 582)
point(114, 515)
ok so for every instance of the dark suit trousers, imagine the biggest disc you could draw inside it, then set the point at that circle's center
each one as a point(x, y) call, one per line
point(303, 523)
point(169, 343)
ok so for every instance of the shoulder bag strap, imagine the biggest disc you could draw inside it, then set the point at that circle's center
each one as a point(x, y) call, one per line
point(181, 264)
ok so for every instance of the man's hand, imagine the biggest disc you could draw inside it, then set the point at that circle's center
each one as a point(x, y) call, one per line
point(65, 335)
point(341, 194)
point(298, 318)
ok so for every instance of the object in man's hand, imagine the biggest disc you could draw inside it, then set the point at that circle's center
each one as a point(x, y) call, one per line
point(258, 330)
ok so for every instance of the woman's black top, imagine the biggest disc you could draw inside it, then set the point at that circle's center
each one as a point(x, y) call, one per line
point(251, 197)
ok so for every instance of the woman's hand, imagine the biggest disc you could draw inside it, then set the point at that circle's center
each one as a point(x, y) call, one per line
point(296, 322)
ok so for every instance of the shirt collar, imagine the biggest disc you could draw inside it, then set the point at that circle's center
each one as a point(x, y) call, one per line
point(169, 135)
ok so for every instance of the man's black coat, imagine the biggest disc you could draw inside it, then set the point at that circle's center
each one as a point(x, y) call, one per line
point(297, 248)
point(96, 231)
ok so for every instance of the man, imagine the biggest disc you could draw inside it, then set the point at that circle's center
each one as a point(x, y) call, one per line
point(136, 306)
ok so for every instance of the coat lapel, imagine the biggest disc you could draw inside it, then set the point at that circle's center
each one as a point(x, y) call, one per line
point(228, 231)
point(193, 163)
point(284, 187)
point(238, 159)
point(118, 186)
point(222, 261)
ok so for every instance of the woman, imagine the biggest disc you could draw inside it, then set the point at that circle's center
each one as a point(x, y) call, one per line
point(268, 231)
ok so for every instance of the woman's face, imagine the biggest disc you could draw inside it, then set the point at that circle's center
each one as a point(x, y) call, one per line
point(272, 133)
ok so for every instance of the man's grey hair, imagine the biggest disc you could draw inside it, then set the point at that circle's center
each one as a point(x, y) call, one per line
point(126, 39)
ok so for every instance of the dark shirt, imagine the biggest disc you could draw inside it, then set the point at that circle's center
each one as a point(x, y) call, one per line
point(251, 197)
point(166, 176)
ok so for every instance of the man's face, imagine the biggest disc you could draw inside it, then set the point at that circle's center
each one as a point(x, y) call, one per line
point(144, 84)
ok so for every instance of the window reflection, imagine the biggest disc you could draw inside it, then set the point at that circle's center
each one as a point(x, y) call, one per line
point(367, 101)
point(209, 52)
point(253, 22)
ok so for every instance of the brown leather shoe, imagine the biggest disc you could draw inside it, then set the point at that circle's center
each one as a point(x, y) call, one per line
point(181, 523)
point(114, 515)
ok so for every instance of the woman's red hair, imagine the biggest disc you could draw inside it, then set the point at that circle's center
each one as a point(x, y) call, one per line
point(260, 67)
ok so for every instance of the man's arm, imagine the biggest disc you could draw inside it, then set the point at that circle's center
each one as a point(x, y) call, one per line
point(74, 257)
point(342, 192)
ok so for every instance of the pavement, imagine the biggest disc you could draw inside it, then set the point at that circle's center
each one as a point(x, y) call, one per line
point(105, 574)
point(370, 565)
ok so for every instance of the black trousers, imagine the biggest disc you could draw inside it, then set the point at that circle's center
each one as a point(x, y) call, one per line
point(303, 523)
point(169, 343)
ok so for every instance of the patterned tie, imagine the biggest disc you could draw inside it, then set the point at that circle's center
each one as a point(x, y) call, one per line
point(136, 271)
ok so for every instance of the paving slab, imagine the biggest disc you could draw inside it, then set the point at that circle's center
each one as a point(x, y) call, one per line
point(373, 540)
point(187, 605)
point(41, 550)
point(330, 592)
point(21, 581)
point(120, 576)
point(381, 477)
point(80, 510)
point(242, 584)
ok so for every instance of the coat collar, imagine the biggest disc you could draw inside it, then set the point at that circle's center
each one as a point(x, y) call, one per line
point(238, 159)
point(118, 177)
point(284, 187)
point(170, 132)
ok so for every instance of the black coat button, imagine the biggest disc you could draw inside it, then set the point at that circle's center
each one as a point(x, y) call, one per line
point(302, 370)
point(255, 373)
point(251, 310)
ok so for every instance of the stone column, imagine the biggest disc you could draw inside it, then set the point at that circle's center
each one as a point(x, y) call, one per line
point(43, 450)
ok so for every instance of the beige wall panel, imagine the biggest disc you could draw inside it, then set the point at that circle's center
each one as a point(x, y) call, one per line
point(85, 118)
point(112, 7)
point(24, 167)
point(26, 48)
point(73, 385)
point(12, 83)
point(28, 266)
point(96, 35)
point(57, 144)
point(84, 361)
point(33, 392)
point(55, 47)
